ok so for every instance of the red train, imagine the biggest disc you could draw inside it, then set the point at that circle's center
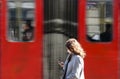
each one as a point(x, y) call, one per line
point(33, 33)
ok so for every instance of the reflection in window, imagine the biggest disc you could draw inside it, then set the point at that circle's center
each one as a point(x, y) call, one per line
point(99, 20)
point(20, 20)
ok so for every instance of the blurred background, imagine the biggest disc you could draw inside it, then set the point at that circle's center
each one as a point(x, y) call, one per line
point(60, 23)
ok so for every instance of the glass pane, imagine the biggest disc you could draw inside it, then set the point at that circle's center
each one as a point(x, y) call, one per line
point(20, 20)
point(99, 20)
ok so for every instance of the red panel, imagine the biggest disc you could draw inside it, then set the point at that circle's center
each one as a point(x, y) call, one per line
point(101, 61)
point(119, 40)
point(22, 60)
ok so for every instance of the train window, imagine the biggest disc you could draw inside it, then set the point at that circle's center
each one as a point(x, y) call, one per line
point(21, 21)
point(99, 20)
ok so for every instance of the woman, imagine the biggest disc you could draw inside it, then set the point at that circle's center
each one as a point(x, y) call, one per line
point(74, 64)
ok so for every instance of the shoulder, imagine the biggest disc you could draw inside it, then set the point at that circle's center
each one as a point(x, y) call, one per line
point(77, 58)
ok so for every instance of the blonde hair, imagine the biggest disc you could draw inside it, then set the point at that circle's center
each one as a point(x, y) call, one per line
point(75, 45)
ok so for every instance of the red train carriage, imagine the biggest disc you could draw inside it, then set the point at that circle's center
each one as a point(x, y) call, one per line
point(30, 49)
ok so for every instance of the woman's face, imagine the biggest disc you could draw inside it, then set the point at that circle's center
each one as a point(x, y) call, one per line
point(71, 50)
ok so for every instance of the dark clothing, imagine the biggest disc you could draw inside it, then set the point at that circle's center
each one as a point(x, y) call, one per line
point(28, 35)
point(105, 37)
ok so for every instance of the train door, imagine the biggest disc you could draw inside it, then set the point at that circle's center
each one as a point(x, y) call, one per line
point(21, 39)
point(98, 33)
